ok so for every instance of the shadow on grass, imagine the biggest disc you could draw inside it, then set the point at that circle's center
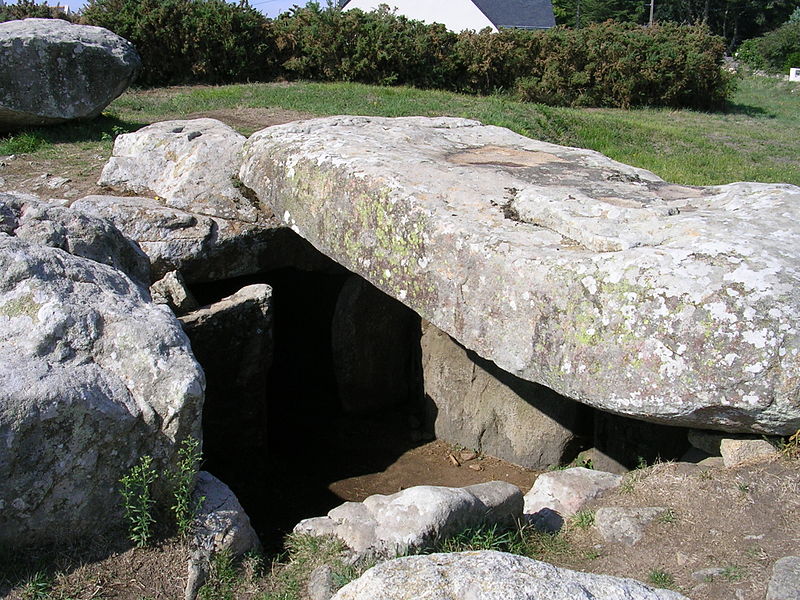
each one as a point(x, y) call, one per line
point(102, 128)
point(744, 109)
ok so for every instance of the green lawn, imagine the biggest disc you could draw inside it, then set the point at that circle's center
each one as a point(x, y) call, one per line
point(756, 139)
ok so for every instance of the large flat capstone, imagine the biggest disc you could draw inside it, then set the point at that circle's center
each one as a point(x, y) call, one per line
point(666, 303)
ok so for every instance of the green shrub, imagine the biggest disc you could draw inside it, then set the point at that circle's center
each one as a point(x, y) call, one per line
point(24, 9)
point(186, 41)
point(777, 51)
point(138, 500)
point(624, 65)
point(379, 47)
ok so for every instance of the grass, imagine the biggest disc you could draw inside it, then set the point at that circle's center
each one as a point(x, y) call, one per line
point(754, 140)
point(661, 579)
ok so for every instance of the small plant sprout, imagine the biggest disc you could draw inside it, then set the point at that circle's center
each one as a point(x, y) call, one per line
point(583, 519)
point(734, 573)
point(668, 516)
point(37, 587)
point(661, 578)
point(138, 500)
point(185, 508)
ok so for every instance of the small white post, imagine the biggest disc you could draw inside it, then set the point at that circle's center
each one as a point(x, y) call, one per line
point(794, 74)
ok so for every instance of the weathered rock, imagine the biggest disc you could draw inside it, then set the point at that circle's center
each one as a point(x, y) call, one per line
point(370, 337)
point(232, 340)
point(92, 376)
point(489, 575)
point(321, 585)
point(735, 452)
point(479, 406)
point(624, 525)
point(54, 71)
point(670, 304)
point(785, 582)
point(557, 495)
point(42, 223)
point(415, 517)
point(221, 525)
point(190, 164)
point(202, 248)
point(707, 441)
point(171, 290)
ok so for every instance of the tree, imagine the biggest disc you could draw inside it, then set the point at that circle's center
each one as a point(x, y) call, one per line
point(597, 11)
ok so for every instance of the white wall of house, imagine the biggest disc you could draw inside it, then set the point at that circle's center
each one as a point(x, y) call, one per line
point(456, 15)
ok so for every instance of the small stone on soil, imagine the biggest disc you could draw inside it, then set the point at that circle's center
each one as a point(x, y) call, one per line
point(467, 455)
point(453, 460)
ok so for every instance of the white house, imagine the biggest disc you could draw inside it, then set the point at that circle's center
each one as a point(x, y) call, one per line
point(458, 15)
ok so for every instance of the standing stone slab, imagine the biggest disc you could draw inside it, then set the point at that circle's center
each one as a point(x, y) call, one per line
point(92, 376)
point(54, 71)
point(232, 340)
point(371, 335)
point(476, 405)
point(670, 304)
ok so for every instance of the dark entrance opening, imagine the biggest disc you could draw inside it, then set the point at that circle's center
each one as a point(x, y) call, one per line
point(343, 398)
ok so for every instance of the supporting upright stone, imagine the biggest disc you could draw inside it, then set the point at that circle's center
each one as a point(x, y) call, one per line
point(473, 403)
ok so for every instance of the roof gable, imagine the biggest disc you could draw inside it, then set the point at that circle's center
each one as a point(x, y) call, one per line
point(524, 14)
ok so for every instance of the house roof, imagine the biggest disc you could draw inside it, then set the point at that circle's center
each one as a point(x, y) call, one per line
point(521, 14)
point(525, 14)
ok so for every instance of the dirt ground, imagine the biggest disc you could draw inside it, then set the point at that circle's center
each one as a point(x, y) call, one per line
point(81, 167)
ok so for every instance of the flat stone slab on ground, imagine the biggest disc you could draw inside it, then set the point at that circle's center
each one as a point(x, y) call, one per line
point(488, 575)
point(673, 304)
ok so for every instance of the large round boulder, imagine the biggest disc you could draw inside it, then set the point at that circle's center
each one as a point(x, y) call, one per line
point(93, 375)
point(54, 71)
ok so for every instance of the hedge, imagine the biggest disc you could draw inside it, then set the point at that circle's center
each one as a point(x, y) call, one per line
point(607, 64)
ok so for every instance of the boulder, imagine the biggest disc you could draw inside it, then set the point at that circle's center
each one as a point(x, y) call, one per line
point(735, 451)
point(29, 218)
point(221, 525)
point(92, 377)
point(477, 405)
point(385, 526)
point(666, 303)
point(489, 575)
point(190, 165)
point(55, 71)
point(202, 248)
point(172, 291)
point(624, 525)
point(232, 341)
point(370, 337)
point(785, 581)
point(557, 495)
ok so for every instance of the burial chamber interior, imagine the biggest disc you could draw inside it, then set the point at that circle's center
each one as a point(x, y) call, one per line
point(302, 410)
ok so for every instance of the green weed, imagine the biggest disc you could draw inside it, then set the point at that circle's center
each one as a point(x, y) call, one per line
point(37, 587)
point(222, 578)
point(661, 578)
point(668, 516)
point(185, 508)
point(138, 500)
point(22, 143)
point(583, 519)
point(734, 573)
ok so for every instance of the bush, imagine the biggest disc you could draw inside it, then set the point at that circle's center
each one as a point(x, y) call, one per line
point(378, 47)
point(777, 51)
point(183, 41)
point(624, 65)
point(24, 9)
point(606, 64)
